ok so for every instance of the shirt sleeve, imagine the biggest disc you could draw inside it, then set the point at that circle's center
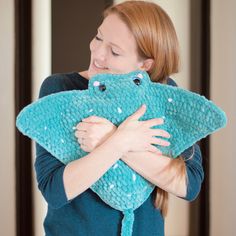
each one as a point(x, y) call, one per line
point(194, 168)
point(49, 170)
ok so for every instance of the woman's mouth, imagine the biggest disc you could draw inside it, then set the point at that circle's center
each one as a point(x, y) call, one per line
point(98, 66)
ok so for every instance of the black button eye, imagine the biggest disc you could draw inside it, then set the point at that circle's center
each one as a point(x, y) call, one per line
point(102, 87)
point(137, 81)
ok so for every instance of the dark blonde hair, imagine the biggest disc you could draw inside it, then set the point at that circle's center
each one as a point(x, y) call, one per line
point(156, 38)
point(154, 33)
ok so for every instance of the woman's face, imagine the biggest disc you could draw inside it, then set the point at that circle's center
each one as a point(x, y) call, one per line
point(114, 49)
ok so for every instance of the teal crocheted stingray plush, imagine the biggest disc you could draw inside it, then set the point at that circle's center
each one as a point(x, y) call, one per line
point(188, 117)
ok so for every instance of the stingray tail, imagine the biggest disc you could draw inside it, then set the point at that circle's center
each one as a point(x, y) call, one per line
point(127, 223)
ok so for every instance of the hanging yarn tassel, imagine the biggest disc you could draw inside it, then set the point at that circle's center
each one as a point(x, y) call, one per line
point(127, 223)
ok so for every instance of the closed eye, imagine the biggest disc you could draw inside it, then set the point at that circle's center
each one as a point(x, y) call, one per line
point(97, 38)
point(114, 53)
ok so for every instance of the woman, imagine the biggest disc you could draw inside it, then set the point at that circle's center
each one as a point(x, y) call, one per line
point(133, 35)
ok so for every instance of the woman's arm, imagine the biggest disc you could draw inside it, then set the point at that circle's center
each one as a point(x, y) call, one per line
point(157, 169)
point(162, 171)
point(131, 135)
point(60, 183)
point(80, 174)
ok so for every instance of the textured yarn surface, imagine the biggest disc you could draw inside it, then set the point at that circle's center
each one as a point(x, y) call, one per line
point(188, 117)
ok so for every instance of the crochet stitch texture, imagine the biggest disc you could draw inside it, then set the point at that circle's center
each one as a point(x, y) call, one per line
point(188, 117)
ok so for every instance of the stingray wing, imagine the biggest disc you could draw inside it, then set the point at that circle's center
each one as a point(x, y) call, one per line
point(188, 116)
point(51, 122)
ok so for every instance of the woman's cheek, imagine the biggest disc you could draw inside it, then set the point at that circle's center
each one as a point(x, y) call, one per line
point(92, 45)
point(114, 66)
point(121, 67)
point(117, 69)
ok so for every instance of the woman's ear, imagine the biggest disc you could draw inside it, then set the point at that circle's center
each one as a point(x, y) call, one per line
point(147, 64)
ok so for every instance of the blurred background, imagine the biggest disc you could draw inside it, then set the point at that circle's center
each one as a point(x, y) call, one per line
point(39, 38)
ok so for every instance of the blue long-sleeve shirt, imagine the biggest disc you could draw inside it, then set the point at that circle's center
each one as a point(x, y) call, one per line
point(87, 214)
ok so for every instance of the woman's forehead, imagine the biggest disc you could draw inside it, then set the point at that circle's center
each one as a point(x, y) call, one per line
point(114, 30)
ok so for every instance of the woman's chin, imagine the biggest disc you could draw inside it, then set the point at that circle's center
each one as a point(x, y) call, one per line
point(92, 73)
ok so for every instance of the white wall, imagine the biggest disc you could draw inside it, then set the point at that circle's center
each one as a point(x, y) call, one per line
point(7, 123)
point(41, 69)
point(223, 86)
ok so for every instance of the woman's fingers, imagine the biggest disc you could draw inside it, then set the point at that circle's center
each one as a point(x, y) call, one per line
point(80, 136)
point(79, 133)
point(154, 122)
point(154, 149)
point(156, 132)
point(84, 147)
point(159, 133)
point(82, 126)
point(139, 113)
point(80, 140)
point(160, 141)
point(95, 119)
point(157, 141)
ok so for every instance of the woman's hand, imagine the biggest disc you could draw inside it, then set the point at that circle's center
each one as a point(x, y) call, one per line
point(93, 131)
point(138, 135)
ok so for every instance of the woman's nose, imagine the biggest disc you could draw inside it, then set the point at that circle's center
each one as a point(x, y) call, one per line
point(100, 52)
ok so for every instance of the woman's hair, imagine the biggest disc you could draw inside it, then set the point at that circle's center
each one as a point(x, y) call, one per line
point(154, 33)
point(156, 38)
